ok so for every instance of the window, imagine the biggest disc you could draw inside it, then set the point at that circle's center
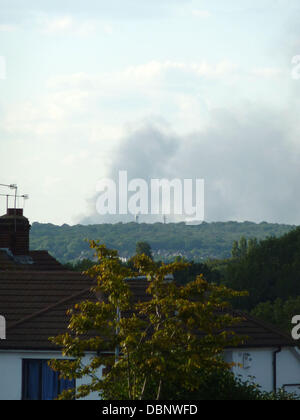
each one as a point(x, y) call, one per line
point(40, 382)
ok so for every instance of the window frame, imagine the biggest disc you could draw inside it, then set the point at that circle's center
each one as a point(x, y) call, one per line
point(24, 384)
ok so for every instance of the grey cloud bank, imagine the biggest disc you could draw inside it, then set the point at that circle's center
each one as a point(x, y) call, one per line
point(249, 161)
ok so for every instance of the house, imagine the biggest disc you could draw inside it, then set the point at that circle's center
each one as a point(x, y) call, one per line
point(35, 293)
point(269, 357)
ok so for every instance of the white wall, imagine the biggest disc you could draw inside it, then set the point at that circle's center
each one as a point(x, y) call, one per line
point(260, 367)
point(11, 372)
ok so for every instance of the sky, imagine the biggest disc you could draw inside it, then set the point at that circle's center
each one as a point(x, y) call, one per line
point(160, 88)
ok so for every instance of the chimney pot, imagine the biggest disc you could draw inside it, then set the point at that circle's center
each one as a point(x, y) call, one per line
point(13, 212)
point(14, 232)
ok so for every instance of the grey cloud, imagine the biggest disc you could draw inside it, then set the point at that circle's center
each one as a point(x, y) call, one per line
point(145, 153)
point(248, 160)
point(250, 167)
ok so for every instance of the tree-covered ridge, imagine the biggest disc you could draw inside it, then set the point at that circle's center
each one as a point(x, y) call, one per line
point(195, 242)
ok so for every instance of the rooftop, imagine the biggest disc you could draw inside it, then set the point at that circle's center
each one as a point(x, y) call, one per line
point(35, 304)
point(36, 291)
point(34, 261)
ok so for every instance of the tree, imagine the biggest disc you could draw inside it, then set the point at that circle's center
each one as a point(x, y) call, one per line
point(224, 386)
point(269, 271)
point(279, 312)
point(243, 246)
point(252, 244)
point(235, 251)
point(160, 344)
point(80, 266)
point(193, 270)
point(143, 248)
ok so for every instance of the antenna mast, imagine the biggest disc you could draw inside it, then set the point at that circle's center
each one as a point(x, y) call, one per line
point(15, 196)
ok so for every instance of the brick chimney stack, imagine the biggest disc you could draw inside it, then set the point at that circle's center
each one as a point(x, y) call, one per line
point(14, 232)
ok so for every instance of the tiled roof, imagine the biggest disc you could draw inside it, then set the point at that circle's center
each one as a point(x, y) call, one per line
point(36, 261)
point(260, 334)
point(35, 304)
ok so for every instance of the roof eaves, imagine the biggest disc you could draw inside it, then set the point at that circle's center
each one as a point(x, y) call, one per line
point(286, 338)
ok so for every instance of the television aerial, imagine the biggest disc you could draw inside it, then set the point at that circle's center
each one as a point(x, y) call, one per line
point(14, 196)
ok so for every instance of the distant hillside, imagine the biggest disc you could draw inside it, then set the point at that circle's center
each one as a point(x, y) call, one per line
point(198, 242)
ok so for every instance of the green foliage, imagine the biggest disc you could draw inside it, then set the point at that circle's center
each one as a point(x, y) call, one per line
point(216, 385)
point(157, 342)
point(193, 270)
point(280, 395)
point(279, 313)
point(223, 385)
point(235, 251)
point(270, 270)
point(252, 244)
point(143, 248)
point(243, 247)
point(207, 240)
point(80, 266)
point(218, 267)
